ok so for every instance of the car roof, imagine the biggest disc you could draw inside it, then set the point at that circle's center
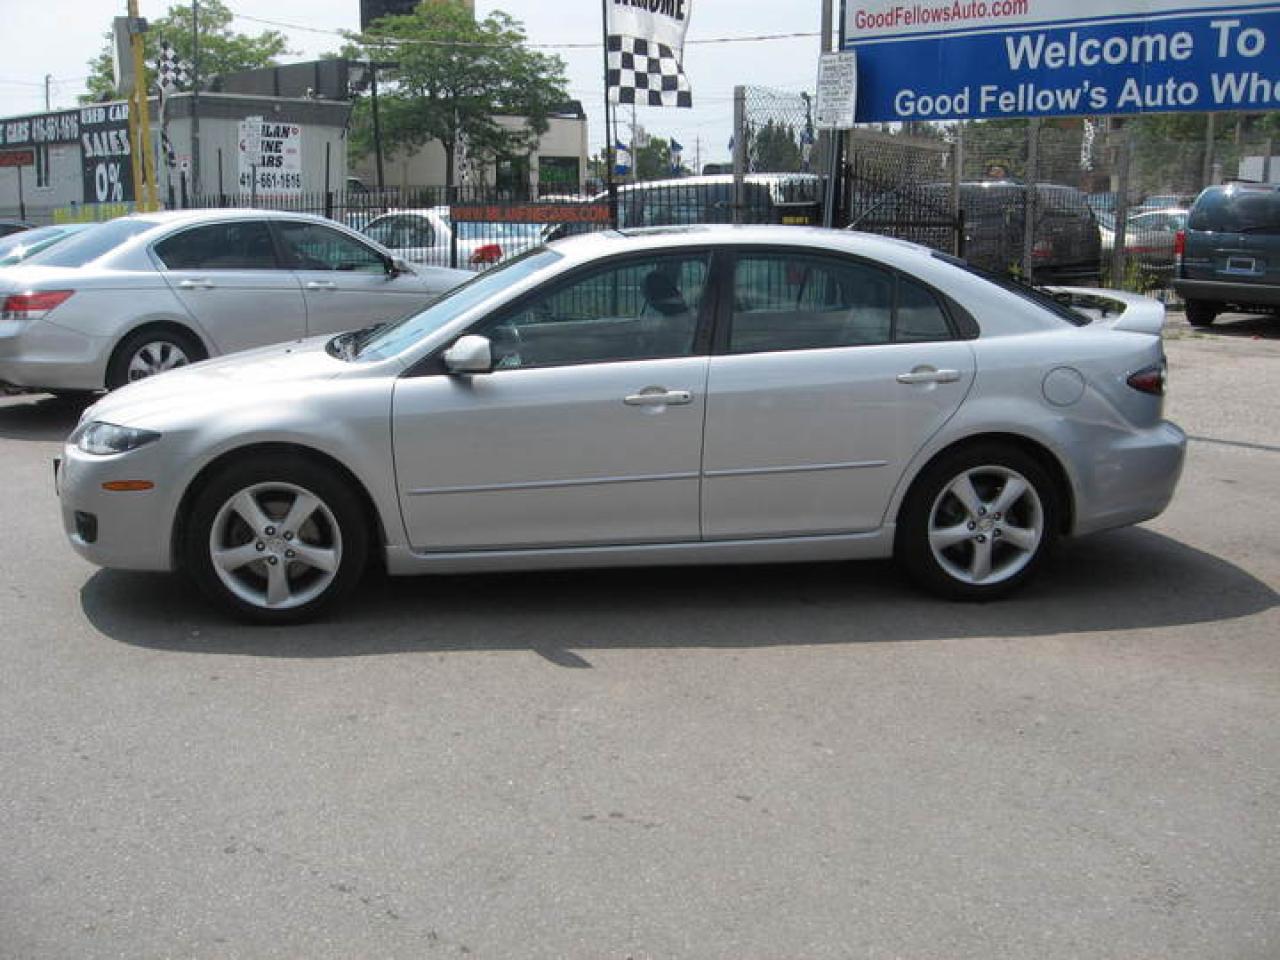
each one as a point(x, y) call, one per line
point(213, 215)
point(587, 246)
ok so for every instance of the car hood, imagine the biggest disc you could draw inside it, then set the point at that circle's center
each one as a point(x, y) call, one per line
point(264, 375)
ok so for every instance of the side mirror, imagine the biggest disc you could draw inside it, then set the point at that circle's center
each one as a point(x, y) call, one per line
point(471, 354)
point(396, 266)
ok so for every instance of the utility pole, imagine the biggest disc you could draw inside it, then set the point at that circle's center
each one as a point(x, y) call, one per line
point(48, 104)
point(195, 98)
point(139, 118)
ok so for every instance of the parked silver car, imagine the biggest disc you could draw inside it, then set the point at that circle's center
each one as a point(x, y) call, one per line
point(706, 395)
point(151, 292)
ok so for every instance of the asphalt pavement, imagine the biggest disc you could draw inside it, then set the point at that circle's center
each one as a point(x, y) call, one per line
point(774, 762)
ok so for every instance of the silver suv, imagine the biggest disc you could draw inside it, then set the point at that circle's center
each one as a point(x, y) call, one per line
point(1229, 255)
point(150, 292)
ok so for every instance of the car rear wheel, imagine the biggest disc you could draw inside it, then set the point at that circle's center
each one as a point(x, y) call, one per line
point(276, 540)
point(978, 523)
point(1200, 313)
point(148, 352)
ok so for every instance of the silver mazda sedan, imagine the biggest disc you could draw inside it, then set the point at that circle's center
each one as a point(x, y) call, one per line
point(679, 396)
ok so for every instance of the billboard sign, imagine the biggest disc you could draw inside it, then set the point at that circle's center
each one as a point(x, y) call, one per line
point(989, 59)
point(104, 146)
point(271, 152)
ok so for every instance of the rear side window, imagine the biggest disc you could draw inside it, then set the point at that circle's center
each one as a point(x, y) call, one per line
point(237, 245)
point(1237, 211)
point(92, 244)
point(788, 301)
point(920, 318)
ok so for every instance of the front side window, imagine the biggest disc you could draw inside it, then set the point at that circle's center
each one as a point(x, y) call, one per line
point(313, 246)
point(793, 301)
point(237, 245)
point(640, 309)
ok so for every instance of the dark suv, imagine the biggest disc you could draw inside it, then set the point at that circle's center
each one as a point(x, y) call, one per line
point(1229, 255)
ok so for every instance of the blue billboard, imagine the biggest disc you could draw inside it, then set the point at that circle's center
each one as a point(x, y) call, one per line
point(987, 59)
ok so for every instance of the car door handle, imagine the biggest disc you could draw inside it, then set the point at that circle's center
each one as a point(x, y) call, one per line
point(658, 397)
point(321, 285)
point(929, 375)
point(200, 284)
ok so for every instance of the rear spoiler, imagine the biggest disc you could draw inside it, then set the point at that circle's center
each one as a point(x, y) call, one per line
point(1116, 309)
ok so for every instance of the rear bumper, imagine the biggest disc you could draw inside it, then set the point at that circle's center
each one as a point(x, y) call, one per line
point(1228, 291)
point(1132, 479)
point(41, 354)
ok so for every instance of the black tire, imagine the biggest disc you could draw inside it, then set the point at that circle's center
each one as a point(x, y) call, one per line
point(168, 347)
point(933, 508)
point(1201, 313)
point(286, 554)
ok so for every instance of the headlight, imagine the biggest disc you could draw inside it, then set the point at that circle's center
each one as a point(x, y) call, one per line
point(103, 438)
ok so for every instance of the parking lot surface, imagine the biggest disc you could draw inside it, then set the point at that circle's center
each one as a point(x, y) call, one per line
point(775, 762)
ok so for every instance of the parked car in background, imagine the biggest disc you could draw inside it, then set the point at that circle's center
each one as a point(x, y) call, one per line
point(427, 236)
point(705, 395)
point(147, 293)
point(1229, 253)
point(23, 246)
point(687, 201)
point(14, 226)
point(1149, 239)
point(1066, 245)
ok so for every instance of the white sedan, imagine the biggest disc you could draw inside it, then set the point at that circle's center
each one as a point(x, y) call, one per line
point(706, 395)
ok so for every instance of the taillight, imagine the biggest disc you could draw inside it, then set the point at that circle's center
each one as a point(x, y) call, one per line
point(489, 253)
point(1150, 379)
point(1042, 250)
point(1179, 247)
point(32, 306)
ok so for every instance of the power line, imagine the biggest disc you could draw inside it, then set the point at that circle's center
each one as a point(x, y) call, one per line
point(593, 45)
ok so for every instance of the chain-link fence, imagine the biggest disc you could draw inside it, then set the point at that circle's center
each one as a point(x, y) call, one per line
point(778, 131)
point(900, 185)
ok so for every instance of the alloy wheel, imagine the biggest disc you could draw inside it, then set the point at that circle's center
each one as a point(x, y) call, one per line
point(276, 546)
point(986, 525)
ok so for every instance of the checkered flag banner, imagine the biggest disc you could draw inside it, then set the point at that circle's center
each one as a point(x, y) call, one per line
point(171, 73)
point(645, 45)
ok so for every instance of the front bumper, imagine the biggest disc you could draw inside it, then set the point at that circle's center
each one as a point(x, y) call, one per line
point(123, 531)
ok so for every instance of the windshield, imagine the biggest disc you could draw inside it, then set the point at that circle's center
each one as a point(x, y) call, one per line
point(91, 244)
point(399, 336)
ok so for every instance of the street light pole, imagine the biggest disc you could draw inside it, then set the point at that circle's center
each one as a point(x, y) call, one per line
point(195, 98)
point(377, 128)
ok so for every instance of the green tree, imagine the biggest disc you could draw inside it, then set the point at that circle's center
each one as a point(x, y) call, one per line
point(653, 161)
point(222, 50)
point(455, 76)
point(775, 148)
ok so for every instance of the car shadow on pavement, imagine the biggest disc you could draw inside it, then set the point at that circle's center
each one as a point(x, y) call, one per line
point(1124, 580)
point(40, 416)
point(1244, 326)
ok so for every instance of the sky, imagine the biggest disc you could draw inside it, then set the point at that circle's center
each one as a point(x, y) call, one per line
point(59, 37)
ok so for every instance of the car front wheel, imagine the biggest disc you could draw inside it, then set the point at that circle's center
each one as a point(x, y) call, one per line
point(978, 522)
point(276, 540)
